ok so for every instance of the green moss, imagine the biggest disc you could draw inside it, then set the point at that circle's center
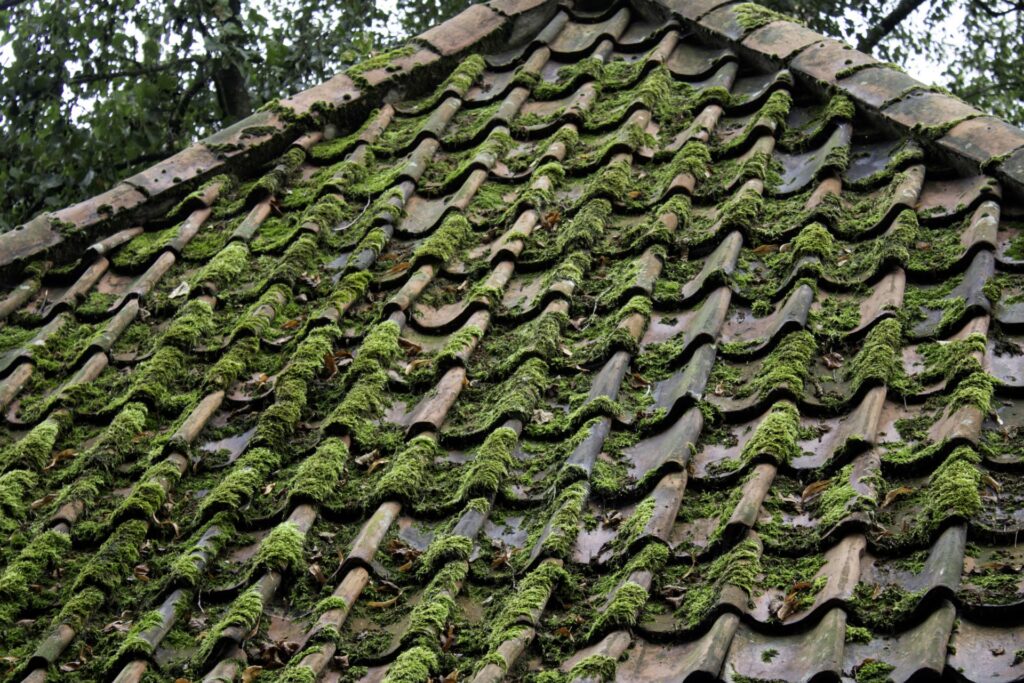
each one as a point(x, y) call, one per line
point(564, 524)
point(240, 484)
point(110, 565)
point(319, 475)
point(445, 242)
point(593, 668)
point(224, 268)
point(880, 359)
point(415, 665)
point(34, 448)
point(738, 567)
point(226, 183)
point(244, 613)
point(531, 595)
point(515, 397)
point(83, 605)
point(350, 289)
point(436, 607)
point(975, 390)
point(857, 634)
point(840, 499)
point(787, 367)
point(192, 324)
point(42, 554)
point(143, 248)
point(752, 16)
point(232, 365)
point(405, 476)
point(458, 343)
point(873, 671)
point(953, 486)
point(776, 435)
point(282, 550)
point(445, 547)
point(484, 474)
point(134, 644)
point(14, 487)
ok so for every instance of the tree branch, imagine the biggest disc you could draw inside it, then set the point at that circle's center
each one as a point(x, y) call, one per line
point(889, 22)
point(131, 73)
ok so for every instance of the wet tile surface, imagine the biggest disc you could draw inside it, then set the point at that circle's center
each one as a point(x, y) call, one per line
point(622, 360)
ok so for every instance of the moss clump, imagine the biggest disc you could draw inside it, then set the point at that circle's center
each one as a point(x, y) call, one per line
point(752, 16)
point(521, 607)
point(437, 606)
point(193, 323)
point(631, 530)
point(407, 472)
point(134, 644)
point(515, 397)
point(445, 547)
point(975, 390)
point(14, 487)
point(953, 486)
point(279, 420)
point(873, 671)
point(350, 289)
point(787, 367)
point(319, 475)
point(594, 667)
point(415, 665)
point(457, 345)
point(114, 559)
point(739, 567)
point(243, 613)
point(840, 499)
point(224, 268)
point(240, 485)
point(282, 550)
point(564, 524)
point(231, 365)
point(42, 554)
point(34, 448)
point(880, 359)
point(857, 634)
point(485, 473)
point(776, 436)
point(445, 242)
point(80, 607)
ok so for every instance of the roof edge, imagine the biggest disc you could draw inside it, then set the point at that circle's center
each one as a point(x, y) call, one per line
point(971, 140)
point(265, 134)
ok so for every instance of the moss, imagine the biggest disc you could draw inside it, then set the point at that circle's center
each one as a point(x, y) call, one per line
point(414, 665)
point(319, 475)
point(241, 483)
point(975, 390)
point(776, 435)
point(244, 613)
point(34, 448)
point(282, 550)
point(857, 634)
point(407, 472)
point(880, 359)
point(484, 474)
point(144, 248)
point(564, 524)
point(623, 610)
point(515, 397)
point(42, 554)
point(633, 528)
point(232, 365)
point(110, 565)
point(436, 607)
point(192, 324)
point(531, 595)
point(134, 644)
point(593, 668)
point(738, 567)
point(148, 496)
point(445, 242)
point(14, 487)
point(458, 344)
point(83, 605)
point(278, 422)
point(752, 16)
point(840, 499)
point(224, 268)
point(445, 547)
point(953, 486)
point(787, 367)
point(873, 671)
point(350, 289)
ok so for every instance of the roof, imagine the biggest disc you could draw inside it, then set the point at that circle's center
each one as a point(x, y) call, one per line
point(634, 342)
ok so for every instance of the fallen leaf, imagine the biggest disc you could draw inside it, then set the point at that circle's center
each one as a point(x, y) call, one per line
point(832, 360)
point(61, 456)
point(290, 324)
point(399, 268)
point(330, 365)
point(382, 604)
point(40, 502)
point(898, 492)
point(766, 249)
point(542, 416)
point(269, 488)
point(251, 673)
point(815, 488)
point(376, 464)
point(410, 347)
point(970, 564)
point(181, 290)
point(317, 573)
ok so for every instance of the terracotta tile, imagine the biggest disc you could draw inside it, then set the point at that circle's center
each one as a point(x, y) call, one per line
point(780, 39)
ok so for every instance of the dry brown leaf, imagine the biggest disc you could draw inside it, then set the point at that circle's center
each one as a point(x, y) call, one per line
point(898, 492)
point(317, 573)
point(290, 324)
point(376, 464)
point(61, 456)
point(382, 604)
point(832, 360)
point(815, 488)
point(399, 268)
point(330, 365)
point(766, 249)
point(970, 565)
point(251, 673)
point(410, 347)
point(40, 502)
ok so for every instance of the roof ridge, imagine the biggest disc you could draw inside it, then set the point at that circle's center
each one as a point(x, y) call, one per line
point(267, 132)
point(971, 140)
